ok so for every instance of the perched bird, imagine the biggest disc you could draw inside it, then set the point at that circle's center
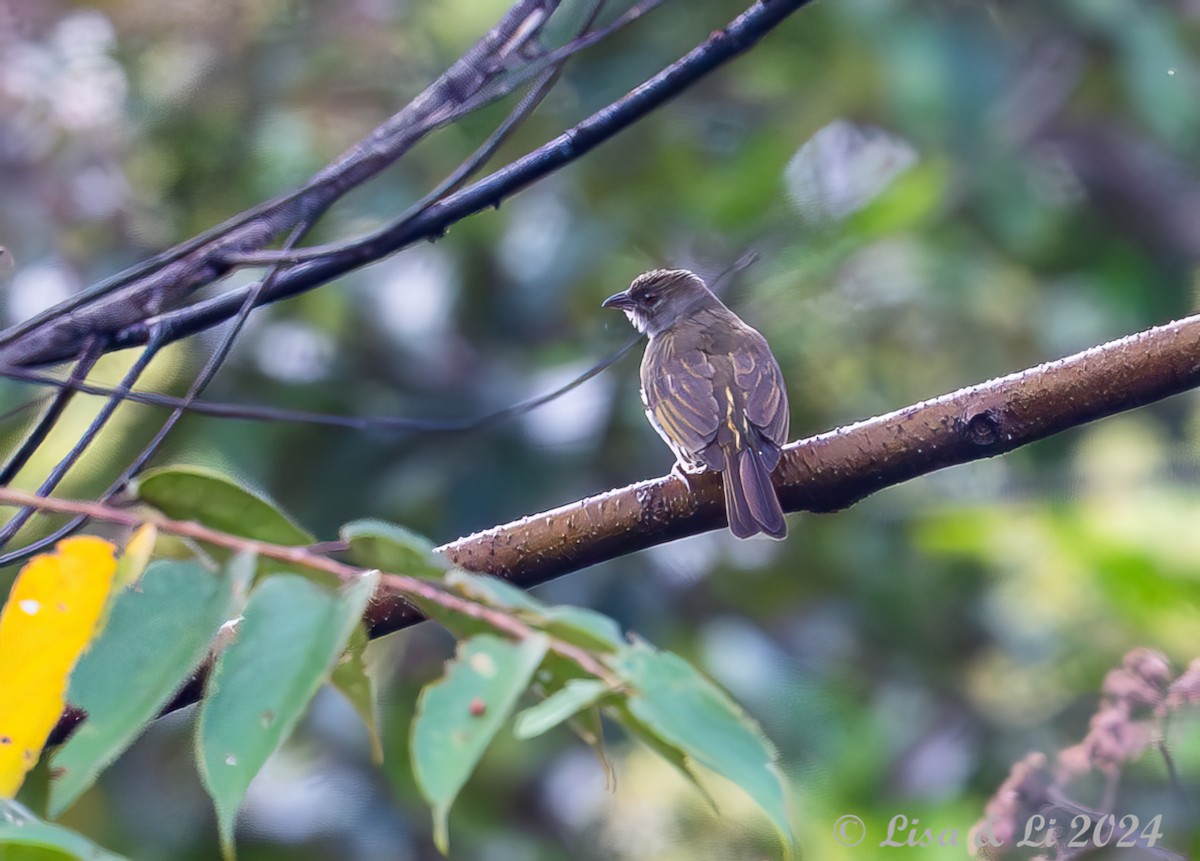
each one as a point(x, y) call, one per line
point(713, 390)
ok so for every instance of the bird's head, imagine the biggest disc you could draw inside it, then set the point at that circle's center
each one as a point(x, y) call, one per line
point(657, 299)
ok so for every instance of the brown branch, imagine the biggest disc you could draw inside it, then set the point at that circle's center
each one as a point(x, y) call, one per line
point(820, 474)
point(393, 589)
point(836, 469)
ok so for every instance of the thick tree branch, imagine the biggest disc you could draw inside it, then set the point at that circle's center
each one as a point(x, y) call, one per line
point(820, 474)
point(836, 469)
point(394, 585)
point(132, 307)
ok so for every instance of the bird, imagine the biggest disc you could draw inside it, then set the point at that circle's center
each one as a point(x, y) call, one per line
point(713, 390)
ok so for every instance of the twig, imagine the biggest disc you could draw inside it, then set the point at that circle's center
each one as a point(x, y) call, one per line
point(63, 466)
point(131, 518)
point(146, 289)
point(741, 34)
point(211, 366)
point(548, 67)
point(397, 586)
point(87, 360)
point(258, 413)
point(254, 412)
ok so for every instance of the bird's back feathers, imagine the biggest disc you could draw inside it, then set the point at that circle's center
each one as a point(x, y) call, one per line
point(714, 392)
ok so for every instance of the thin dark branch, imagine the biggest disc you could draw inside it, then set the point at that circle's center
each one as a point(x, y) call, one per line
point(252, 412)
point(823, 473)
point(741, 34)
point(503, 86)
point(79, 371)
point(211, 366)
point(150, 287)
point(549, 71)
point(63, 466)
point(452, 183)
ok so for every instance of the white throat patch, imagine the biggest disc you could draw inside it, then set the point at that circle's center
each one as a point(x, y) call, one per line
point(635, 317)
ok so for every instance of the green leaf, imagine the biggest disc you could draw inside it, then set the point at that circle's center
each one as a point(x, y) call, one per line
point(136, 554)
point(292, 632)
point(576, 625)
point(480, 589)
point(575, 696)
point(194, 493)
point(459, 715)
point(24, 836)
point(492, 591)
point(581, 627)
point(688, 712)
point(351, 679)
point(391, 548)
point(666, 750)
point(156, 635)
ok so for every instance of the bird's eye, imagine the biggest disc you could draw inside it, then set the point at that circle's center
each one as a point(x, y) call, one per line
point(650, 299)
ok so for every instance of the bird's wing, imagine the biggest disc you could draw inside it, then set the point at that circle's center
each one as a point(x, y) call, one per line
point(677, 387)
point(758, 376)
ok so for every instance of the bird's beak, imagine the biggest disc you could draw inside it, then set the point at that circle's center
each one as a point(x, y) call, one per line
point(621, 301)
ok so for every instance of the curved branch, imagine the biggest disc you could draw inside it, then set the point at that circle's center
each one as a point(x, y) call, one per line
point(820, 474)
point(836, 469)
point(432, 222)
point(146, 289)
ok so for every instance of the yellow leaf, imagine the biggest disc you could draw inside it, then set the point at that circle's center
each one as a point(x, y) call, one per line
point(136, 555)
point(53, 613)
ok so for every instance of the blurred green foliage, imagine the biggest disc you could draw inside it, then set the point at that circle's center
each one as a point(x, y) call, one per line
point(903, 654)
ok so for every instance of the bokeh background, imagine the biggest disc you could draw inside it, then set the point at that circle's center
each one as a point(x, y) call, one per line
point(986, 186)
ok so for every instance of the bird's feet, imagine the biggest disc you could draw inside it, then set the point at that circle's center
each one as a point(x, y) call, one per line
point(681, 472)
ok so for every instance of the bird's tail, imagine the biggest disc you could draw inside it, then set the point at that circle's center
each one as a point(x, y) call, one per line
point(750, 500)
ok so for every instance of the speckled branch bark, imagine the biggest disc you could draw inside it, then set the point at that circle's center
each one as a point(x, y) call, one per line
point(820, 474)
point(836, 469)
